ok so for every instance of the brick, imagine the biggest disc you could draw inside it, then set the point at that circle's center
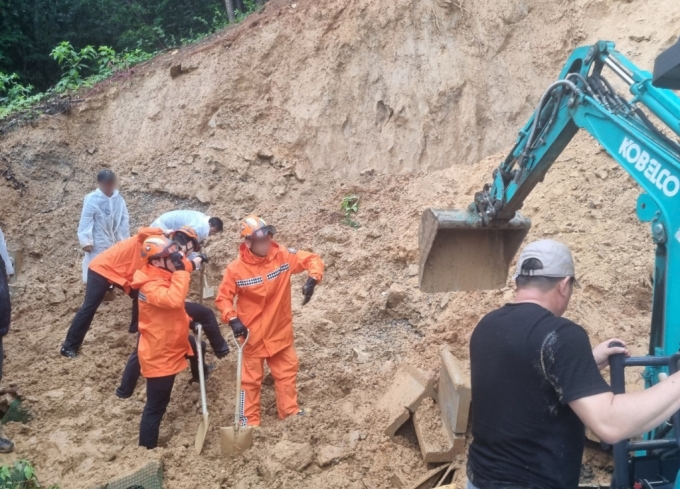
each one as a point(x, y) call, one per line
point(436, 447)
point(454, 395)
point(409, 388)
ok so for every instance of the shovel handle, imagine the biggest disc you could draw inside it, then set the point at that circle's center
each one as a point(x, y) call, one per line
point(201, 373)
point(239, 366)
point(202, 281)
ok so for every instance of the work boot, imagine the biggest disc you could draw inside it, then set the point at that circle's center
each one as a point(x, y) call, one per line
point(65, 352)
point(207, 369)
point(6, 445)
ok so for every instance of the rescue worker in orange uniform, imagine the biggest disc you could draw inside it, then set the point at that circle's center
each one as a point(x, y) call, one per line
point(163, 285)
point(113, 267)
point(260, 279)
point(187, 240)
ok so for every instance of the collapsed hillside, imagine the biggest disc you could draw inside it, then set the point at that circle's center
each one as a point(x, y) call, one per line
point(406, 104)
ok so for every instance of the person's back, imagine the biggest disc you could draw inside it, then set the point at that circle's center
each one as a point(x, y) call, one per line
point(527, 364)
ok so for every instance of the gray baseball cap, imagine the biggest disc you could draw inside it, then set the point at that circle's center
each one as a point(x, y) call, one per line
point(555, 257)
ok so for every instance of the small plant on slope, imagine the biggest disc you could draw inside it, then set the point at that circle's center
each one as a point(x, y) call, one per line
point(350, 206)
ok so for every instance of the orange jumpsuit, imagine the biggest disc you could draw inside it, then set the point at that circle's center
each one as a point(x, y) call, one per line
point(262, 285)
point(163, 322)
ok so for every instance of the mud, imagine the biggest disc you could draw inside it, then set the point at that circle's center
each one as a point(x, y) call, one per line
point(407, 104)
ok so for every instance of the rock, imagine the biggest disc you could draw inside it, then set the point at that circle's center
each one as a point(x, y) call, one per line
point(91, 150)
point(203, 195)
point(374, 234)
point(300, 172)
point(413, 270)
point(55, 294)
point(279, 190)
point(294, 456)
point(268, 469)
point(265, 155)
point(395, 295)
point(329, 454)
point(175, 70)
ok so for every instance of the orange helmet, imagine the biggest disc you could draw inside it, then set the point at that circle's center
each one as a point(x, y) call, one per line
point(185, 234)
point(254, 227)
point(158, 247)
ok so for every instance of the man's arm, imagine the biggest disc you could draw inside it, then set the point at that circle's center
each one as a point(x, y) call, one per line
point(618, 417)
point(86, 224)
point(225, 297)
point(172, 297)
point(304, 260)
point(4, 255)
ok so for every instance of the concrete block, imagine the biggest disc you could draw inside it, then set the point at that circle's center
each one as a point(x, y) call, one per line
point(409, 388)
point(436, 444)
point(454, 395)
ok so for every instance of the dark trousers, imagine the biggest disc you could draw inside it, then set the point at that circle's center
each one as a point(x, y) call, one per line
point(96, 287)
point(158, 391)
point(199, 314)
point(133, 370)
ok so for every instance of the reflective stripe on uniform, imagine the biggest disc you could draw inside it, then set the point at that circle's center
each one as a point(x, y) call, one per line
point(277, 272)
point(249, 282)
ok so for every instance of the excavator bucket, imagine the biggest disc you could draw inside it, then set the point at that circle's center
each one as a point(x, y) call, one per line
point(458, 252)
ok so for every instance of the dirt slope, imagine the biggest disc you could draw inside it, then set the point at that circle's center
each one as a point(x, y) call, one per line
point(406, 103)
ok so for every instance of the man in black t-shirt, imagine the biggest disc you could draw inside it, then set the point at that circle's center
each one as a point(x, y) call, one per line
point(536, 383)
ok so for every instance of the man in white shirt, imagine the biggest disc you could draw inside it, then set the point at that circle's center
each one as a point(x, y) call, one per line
point(104, 221)
point(203, 225)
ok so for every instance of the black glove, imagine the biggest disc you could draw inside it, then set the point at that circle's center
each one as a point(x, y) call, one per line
point(308, 289)
point(177, 260)
point(238, 327)
point(192, 326)
point(204, 258)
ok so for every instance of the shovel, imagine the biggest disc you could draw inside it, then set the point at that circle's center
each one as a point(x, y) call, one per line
point(238, 439)
point(207, 292)
point(205, 422)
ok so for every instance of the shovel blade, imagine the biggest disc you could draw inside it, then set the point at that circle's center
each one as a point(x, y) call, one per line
point(235, 442)
point(201, 433)
point(458, 252)
point(208, 292)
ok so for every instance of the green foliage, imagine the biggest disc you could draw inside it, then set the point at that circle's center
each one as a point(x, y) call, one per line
point(21, 475)
point(350, 206)
point(73, 64)
point(14, 96)
point(249, 7)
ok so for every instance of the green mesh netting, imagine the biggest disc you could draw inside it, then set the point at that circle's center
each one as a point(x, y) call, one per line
point(16, 413)
point(148, 477)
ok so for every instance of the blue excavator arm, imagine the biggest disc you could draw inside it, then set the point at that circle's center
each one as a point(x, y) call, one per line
point(583, 99)
point(639, 132)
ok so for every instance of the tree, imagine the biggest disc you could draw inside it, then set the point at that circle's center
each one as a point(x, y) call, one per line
point(230, 11)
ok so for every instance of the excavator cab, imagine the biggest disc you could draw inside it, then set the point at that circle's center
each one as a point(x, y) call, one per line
point(458, 252)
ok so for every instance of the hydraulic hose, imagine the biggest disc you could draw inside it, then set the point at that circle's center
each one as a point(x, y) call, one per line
point(539, 109)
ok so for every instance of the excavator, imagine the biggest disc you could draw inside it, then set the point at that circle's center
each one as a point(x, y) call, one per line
point(472, 249)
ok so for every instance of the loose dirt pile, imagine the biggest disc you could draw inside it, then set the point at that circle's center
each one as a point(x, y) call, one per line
point(285, 115)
